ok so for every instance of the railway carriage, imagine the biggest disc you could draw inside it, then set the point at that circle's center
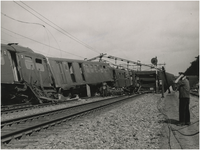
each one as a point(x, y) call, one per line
point(73, 76)
point(23, 71)
point(167, 80)
point(147, 80)
point(120, 77)
point(27, 76)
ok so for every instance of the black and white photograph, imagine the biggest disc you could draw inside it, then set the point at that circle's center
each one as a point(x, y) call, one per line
point(99, 74)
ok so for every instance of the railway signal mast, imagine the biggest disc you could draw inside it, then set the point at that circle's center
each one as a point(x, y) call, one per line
point(138, 63)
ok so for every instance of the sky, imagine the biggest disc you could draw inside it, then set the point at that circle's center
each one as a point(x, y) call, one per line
point(133, 30)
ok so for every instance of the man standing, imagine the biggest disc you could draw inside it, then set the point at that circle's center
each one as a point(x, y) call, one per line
point(184, 99)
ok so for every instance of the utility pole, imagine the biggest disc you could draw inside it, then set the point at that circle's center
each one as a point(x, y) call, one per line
point(100, 57)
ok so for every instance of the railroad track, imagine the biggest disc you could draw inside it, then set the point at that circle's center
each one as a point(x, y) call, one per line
point(8, 108)
point(18, 127)
point(22, 107)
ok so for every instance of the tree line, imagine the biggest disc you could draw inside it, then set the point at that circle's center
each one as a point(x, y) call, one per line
point(193, 70)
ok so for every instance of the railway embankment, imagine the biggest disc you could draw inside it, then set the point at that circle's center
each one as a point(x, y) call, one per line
point(49, 107)
point(137, 124)
point(179, 137)
point(133, 125)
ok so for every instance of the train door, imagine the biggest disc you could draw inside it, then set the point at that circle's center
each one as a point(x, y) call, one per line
point(7, 75)
point(85, 71)
point(9, 64)
point(114, 75)
point(71, 70)
point(43, 71)
point(82, 71)
point(28, 69)
point(34, 69)
point(61, 72)
point(14, 64)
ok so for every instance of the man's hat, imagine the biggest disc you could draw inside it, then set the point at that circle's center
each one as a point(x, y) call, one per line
point(181, 73)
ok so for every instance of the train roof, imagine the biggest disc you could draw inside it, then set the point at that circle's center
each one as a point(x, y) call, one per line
point(17, 48)
point(74, 60)
point(20, 49)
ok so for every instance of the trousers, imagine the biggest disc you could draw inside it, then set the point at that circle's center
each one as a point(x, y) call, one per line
point(184, 112)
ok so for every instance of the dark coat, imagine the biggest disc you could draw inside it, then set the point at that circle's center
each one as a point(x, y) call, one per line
point(184, 88)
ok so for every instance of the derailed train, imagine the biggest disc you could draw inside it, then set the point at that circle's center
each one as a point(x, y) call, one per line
point(27, 76)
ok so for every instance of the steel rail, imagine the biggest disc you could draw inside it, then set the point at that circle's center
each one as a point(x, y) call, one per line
point(70, 112)
point(15, 106)
point(20, 119)
point(21, 107)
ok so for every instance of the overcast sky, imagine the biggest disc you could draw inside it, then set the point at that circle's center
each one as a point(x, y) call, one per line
point(131, 30)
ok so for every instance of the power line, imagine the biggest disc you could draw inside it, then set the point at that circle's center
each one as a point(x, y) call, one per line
point(53, 37)
point(7, 34)
point(40, 42)
point(65, 32)
point(32, 23)
point(22, 21)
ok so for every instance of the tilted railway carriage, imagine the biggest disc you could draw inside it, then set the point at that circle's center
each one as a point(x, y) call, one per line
point(74, 75)
point(167, 80)
point(123, 78)
point(27, 76)
point(147, 80)
point(23, 71)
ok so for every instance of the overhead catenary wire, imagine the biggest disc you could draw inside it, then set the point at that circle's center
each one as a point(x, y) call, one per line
point(6, 34)
point(46, 29)
point(22, 21)
point(40, 42)
point(60, 29)
point(53, 37)
point(65, 32)
point(28, 8)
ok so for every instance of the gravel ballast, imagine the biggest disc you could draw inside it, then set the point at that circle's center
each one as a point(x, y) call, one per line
point(134, 125)
point(36, 110)
point(137, 124)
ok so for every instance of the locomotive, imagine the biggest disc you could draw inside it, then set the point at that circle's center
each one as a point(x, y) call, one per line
point(27, 76)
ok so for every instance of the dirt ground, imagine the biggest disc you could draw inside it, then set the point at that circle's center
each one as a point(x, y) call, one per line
point(179, 137)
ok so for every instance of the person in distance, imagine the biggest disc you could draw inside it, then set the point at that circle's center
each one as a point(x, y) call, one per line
point(184, 99)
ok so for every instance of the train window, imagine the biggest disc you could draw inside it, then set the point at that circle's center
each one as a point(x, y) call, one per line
point(95, 68)
point(61, 73)
point(91, 68)
point(70, 68)
point(2, 58)
point(29, 63)
point(38, 61)
point(102, 69)
point(81, 70)
point(65, 66)
point(98, 68)
point(39, 65)
point(86, 68)
point(71, 72)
